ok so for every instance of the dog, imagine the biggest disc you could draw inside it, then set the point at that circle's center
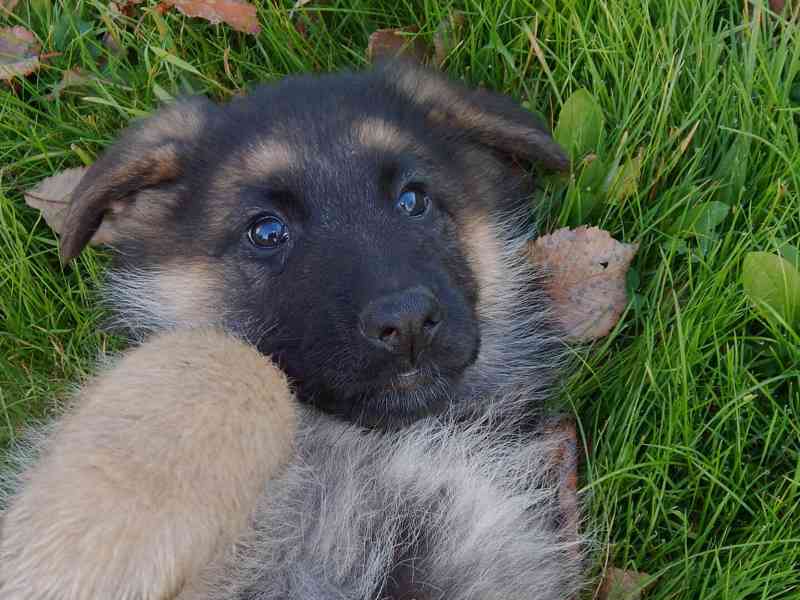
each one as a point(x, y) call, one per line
point(344, 358)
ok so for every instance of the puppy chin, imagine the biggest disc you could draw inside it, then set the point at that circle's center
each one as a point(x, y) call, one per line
point(393, 402)
point(406, 398)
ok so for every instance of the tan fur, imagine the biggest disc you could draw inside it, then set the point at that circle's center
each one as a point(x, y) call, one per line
point(191, 291)
point(423, 87)
point(268, 157)
point(255, 163)
point(484, 254)
point(379, 135)
point(154, 472)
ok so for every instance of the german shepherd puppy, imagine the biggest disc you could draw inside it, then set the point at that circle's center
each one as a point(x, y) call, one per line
point(367, 233)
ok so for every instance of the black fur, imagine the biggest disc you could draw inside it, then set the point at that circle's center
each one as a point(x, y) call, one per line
point(348, 243)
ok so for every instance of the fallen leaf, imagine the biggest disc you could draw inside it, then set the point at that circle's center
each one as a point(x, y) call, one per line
point(622, 584)
point(388, 43)
point(19, 52)
point(447, 36)
point(580, 124)
point(240, 15)
point(773, 285)
point(587, 269)
point(71, 78)
point(51, 198)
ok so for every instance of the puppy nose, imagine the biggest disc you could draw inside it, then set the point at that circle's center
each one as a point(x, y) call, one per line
point(404, 323)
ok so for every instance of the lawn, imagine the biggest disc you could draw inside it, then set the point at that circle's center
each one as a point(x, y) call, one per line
point(689, 411)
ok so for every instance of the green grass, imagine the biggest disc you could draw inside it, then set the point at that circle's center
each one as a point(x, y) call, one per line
point(690, 410)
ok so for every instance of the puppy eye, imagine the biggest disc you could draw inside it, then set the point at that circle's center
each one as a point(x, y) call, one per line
point(269, 233)
point(413, 203)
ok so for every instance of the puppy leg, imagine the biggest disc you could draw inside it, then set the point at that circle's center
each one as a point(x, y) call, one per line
point(155, 471)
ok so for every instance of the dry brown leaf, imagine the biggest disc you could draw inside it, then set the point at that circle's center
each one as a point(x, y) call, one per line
point(240, 15)
point(19, 52)
point(389, 43)
point(622, 584)
point(51, 197)
point(587, 270)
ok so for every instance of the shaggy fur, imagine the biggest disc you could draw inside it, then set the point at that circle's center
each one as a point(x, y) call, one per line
point(440, 490)
point(448, 510)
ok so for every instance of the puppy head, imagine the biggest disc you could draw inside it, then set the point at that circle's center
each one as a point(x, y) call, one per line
point(359, 228)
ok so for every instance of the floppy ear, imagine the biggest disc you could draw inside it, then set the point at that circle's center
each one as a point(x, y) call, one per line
point(488, 117)
point(147, 154)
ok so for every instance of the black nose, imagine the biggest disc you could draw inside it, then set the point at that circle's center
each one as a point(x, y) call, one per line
point(404, 323)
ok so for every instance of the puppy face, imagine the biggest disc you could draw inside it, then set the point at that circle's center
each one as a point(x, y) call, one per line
point(352, 226)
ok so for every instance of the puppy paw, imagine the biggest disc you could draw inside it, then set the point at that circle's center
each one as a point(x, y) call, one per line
point(156, 469)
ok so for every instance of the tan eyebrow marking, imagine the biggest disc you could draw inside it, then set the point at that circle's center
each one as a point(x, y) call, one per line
point(379, 134)
point(267, 157)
